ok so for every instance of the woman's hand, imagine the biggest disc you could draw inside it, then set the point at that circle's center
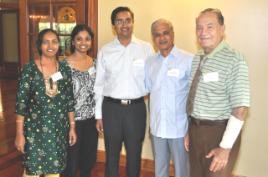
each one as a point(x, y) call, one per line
point(72, 136)
point(99, 126)
point(20, 142)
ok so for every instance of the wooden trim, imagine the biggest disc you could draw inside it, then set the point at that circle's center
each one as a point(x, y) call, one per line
point(23, 29)
point(52, 1)
point(8, 159)
point(146, 164)
point(10, 164)
point(5, 5)
point(1, 41)
point(80, 10)
point(92, 21)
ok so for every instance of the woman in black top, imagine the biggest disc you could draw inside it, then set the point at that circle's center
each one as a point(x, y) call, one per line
point(82, 156)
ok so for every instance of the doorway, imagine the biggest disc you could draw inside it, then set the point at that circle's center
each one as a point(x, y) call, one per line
point(9, 40)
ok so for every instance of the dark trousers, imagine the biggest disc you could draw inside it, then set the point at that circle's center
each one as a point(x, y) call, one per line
point(82, 155)
point(123, 124)
point(204, 138)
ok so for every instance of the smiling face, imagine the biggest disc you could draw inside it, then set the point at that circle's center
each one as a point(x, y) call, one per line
point(123, 25)
point(50, 45)
point(82, 42)
point(163, 37)
point(209, 31)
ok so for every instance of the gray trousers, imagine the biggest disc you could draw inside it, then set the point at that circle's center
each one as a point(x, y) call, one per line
point(123, 124)
point(165, 149)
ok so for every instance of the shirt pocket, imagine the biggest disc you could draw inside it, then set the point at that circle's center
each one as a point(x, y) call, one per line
point(176, 80)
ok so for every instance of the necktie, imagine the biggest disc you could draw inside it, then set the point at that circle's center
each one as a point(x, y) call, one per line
point(193, 88)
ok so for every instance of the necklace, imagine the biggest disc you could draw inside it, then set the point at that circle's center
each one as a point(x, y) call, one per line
point(50, 85)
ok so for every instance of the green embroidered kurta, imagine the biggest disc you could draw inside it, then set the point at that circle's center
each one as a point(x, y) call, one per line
point(46, 123)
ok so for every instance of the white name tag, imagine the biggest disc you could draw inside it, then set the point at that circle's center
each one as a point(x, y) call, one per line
point(91, 70)
point(211, 77)
point(56, 76)
point(138, 62)
point(173, 72)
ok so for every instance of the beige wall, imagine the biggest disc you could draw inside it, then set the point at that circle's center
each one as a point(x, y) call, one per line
point(246, 30)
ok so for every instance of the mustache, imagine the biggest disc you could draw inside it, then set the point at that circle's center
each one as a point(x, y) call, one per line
point(163, 42)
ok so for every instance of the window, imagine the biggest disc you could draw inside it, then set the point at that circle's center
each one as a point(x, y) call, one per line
point(56, 15)
point(60, 15)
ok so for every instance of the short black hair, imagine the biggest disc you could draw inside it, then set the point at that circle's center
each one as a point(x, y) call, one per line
point(40, 38)
point(217, 12)
point(78, 28)
point(118, 10)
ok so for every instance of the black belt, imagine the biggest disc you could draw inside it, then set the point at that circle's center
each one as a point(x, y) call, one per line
point(124, 101)
point(208, 122)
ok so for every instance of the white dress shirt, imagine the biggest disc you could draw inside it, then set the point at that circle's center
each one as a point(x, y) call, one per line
point(167, 81)
point(120, 71)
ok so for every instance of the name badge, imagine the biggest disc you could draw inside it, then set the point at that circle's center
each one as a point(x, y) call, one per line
point(173, 72)
point(211, 77)
point(57, 76)
point(91, 70)
point(138, 62)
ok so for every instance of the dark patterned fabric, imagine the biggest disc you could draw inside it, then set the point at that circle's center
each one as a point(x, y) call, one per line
point(83, 84)
point(46, 123)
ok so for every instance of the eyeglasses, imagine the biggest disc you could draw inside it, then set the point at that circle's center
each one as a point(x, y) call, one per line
point(123, 22)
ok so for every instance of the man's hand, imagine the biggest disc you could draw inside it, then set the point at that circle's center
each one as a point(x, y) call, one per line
point(99, 126)
point(220, 158)
point(186, 142)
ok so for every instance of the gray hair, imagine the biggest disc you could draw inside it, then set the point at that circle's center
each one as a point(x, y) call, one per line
point(217, 12)
point(161, 21)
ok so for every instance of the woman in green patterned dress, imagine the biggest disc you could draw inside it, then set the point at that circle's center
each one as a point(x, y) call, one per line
point(44, 108)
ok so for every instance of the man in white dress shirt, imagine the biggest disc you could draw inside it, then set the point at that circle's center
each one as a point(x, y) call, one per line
point(119, 88)
point(167, 74)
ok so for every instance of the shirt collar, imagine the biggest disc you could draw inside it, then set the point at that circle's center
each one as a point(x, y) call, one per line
point(174, 53)
point(133, 40)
